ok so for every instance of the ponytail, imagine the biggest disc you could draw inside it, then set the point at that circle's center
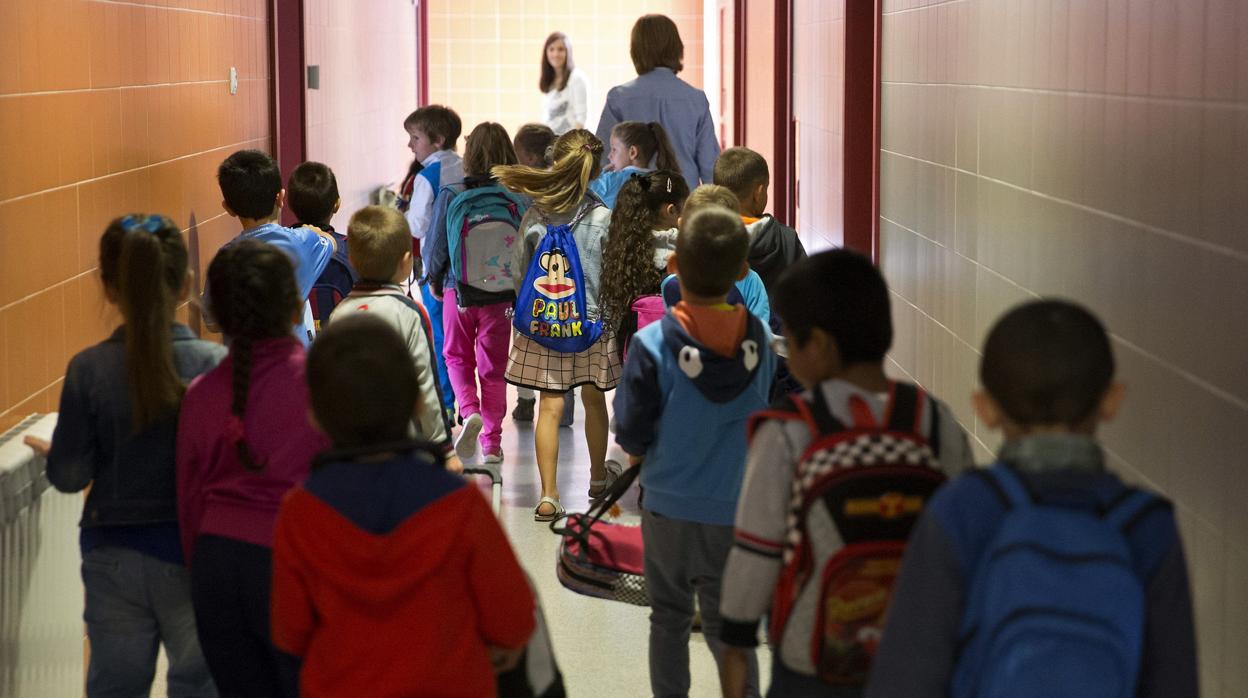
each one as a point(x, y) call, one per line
point(577, 158)
point(143, 260)
point(651, 141)
point(664, 155)
point(252, 292)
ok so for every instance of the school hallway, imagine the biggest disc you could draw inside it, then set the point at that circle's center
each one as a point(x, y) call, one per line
point(983, 153)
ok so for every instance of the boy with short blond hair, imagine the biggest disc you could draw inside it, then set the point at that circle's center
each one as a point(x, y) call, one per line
point(774, 246)
point(379, 246)
point(690, 382)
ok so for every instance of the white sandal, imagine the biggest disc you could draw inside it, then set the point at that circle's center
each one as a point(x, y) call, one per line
point(613, 469)
point(539, 516)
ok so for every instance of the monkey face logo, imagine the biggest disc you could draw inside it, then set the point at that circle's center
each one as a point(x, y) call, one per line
point(556, 284)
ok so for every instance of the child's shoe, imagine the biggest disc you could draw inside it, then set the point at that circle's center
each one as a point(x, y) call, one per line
point(466, 442)
point(494, 457)
point(524, 410)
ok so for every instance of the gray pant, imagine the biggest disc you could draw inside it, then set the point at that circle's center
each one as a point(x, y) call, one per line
point(683, 557)
point(135, 603)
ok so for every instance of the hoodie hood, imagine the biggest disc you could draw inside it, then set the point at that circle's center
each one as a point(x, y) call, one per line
point(719, 378)
point(773, 248)
point(391, 525)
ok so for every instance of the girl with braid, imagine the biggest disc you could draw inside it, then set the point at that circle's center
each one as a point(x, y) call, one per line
point(244, 440)
point(118, 415)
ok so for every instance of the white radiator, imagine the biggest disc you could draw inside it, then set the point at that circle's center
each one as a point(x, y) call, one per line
point(22, 474)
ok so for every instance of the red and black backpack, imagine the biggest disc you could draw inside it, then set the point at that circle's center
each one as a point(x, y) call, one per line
point(857, 492)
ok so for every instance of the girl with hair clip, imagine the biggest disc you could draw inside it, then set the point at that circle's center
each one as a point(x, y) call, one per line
point(244, 440)
point(561, 196)
point(641, 239)
point(636, 146)
point(116, 431)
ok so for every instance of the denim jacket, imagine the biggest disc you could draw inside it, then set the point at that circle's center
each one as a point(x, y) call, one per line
point(133, 474)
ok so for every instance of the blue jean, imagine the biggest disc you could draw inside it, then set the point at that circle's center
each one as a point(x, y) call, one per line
point(434, 307)
point(134, 604)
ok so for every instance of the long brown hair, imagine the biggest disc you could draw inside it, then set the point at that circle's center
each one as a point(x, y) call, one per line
point(488, 145)
point(650, 140)
point(577, 155)
point(548, 71)
point(143, 264)
point(252, 293)
point(628, 269)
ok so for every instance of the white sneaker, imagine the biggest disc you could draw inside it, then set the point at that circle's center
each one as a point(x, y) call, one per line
point(466, 442)
point(494, 458)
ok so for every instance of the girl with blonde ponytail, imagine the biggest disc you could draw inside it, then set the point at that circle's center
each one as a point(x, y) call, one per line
point(561, 196)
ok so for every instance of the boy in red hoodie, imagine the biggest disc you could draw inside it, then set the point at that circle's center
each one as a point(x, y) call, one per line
point(391, 576)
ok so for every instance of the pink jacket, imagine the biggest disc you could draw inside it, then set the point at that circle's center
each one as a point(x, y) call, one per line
point(216, 495)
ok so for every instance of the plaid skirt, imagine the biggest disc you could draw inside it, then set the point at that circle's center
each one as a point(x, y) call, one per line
point(532, 365)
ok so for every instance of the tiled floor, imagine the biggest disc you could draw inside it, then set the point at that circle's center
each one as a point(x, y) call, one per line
point(600, 645)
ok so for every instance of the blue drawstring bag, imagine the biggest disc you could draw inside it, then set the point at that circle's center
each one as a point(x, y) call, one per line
point(551, 308)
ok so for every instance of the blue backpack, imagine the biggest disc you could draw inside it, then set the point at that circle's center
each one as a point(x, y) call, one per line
point(481, 228)
point(551, 307)
point(1056, 604)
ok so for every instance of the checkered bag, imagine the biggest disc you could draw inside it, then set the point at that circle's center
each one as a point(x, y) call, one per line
point(857, 492)
point(599, 558)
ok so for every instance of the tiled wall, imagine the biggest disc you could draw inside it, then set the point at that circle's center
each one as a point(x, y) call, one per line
point(818, 108)
point(367, 57)
point(1092, 149)
point(485, 55)
point(106, 108)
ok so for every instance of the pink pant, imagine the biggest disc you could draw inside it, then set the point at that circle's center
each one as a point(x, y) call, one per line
point(476, 345)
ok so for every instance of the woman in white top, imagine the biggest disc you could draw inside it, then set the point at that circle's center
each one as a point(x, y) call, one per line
point(565, 87)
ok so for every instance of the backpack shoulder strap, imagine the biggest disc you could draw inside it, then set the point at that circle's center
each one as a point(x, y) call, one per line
point(905, 409)
point(1132, 508)
point(821, 413)
point(1006, 484)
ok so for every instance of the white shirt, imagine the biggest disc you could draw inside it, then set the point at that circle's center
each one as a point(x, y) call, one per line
point(568, 108)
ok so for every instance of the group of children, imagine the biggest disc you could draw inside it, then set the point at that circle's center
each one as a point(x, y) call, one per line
point(281, 522)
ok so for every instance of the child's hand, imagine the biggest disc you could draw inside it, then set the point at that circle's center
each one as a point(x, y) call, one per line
point(41, 447)
point(454, 464)
point(333, 244)
point(505, 660)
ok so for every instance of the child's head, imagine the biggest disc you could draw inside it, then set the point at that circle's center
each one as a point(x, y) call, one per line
point(655, 43)
point(1047, 366)
point(531, 143)
point(638, 144)
point(711, 253)
point(709, 195)
point(362, 383)
point(575, 163)
point(253, 296)
point(557, 62)
point(251, 185)
point(744, 172)
point(648, 201)
point(312, 192)
point(379, 244)
point(486, 147)
point(836, 313)
point(431, 129)
point(143, 264)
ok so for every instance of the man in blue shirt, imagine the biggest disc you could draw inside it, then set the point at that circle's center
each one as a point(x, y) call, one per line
point(251, 190)
point(658, 95)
